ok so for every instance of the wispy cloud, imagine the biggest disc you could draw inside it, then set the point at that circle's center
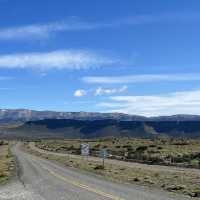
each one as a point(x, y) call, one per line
point(108, 91)
point(100, 91)
point(80, 93)
point(4, 78)
point(63, 59)
point(44, 31)
point(142, 78)
point(187, 102)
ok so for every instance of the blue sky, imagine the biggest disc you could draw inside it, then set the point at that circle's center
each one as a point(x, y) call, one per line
point(135, 56)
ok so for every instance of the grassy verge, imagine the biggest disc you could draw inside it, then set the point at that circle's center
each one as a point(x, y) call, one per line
point(163, 151)
point(179, 181)
point(6, 162)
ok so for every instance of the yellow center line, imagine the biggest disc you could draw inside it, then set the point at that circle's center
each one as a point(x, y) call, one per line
point(83, 186)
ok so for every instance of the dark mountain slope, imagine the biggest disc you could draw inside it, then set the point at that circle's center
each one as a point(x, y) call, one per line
point(177, 128)
point(66, 128)
point(30, 123)
point(78, 129)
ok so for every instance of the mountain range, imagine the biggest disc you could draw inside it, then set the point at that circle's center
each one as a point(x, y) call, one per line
point(24, 115)
point(22, 123)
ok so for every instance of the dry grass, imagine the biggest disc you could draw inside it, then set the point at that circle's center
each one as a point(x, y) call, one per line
point(159, 151)
point(6, 163)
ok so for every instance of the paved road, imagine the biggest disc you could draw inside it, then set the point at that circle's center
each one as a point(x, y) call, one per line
point(41, 179)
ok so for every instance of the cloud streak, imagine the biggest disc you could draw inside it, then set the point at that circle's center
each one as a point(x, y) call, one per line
point(100, 91)
point(108, 91)
point(44, 31)
point(142, 78)
point(63, 59)
point(187, 102)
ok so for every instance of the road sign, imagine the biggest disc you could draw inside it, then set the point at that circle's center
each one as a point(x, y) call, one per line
point(103, 153)
point(85, 149)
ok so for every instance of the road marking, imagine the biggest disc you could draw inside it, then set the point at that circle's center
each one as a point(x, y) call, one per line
point(80, 185)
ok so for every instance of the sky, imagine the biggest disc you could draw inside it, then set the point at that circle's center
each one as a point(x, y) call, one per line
point(140, 57)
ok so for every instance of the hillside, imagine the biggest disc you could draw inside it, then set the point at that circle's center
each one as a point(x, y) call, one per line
point(68, 128)
point(24, 123)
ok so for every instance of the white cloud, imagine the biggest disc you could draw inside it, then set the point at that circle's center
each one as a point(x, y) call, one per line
point(80, 93)
point(25, 32)
point(44, 31)
point(142, 78)
point(187, 102)
point(102, 91)
point(63, 59)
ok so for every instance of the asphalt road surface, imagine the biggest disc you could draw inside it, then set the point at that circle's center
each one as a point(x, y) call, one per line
point(40, 179)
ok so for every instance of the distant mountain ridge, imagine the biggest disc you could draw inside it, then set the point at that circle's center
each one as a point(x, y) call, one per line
point(24, 115)
point(30, 124)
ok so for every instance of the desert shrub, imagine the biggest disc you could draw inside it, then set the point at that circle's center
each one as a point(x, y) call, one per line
point(175, 187)
point(129, 147)
point(97, 146)
point(196, 193)
point(1, 142)
point(155, 160)
point(152, 145)
point(99, 167)
point(196, 156)
point(136, 179)
point(141, 148)
point(152, 151)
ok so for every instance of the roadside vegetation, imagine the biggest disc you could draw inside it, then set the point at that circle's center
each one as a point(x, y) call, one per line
point(173, 179)
point(6, 162)
point(163, 151)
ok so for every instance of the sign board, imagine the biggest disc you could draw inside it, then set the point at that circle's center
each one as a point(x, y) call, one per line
point(126, 154)
point(85, 149)
point(103, 153)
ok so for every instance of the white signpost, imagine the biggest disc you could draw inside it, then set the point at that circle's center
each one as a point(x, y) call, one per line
point(85, 149)
point(103, 155)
